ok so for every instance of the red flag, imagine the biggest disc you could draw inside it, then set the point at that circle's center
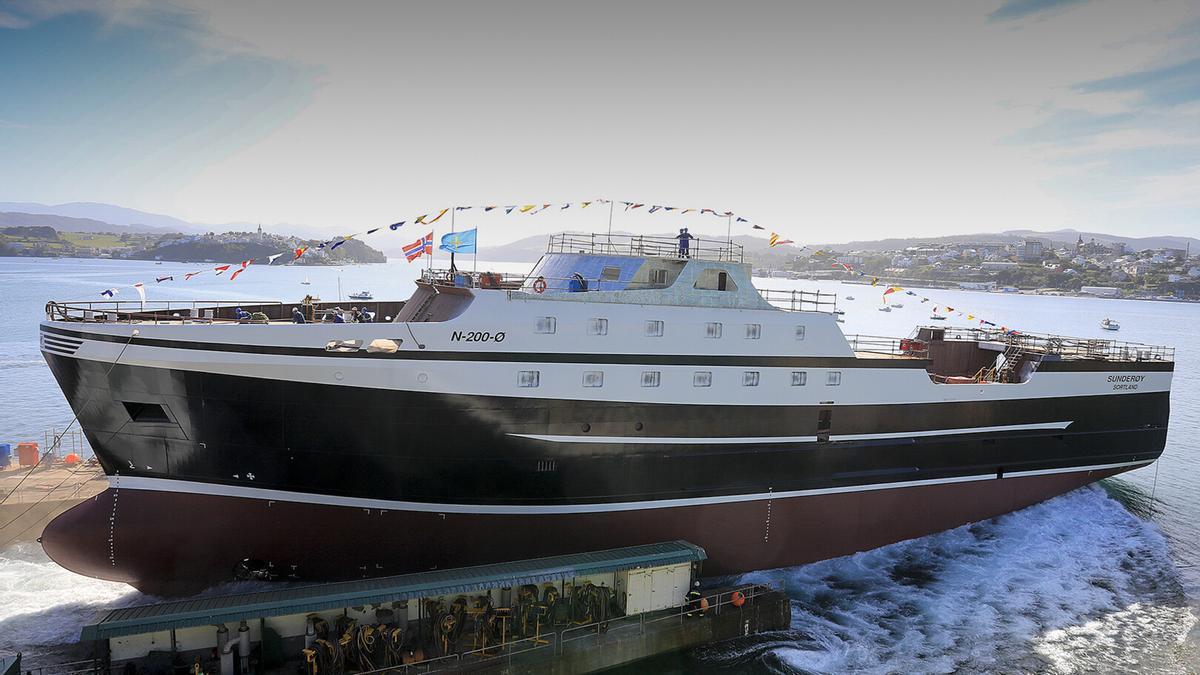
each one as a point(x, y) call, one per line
point(189, 275)
point(299, 252)
point(221, 269)
point(245, 264)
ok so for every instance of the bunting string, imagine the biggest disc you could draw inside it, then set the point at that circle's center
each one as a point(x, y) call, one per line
point(936, 305)
point(434, 216)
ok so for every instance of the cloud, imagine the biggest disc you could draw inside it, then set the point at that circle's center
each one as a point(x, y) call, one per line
point(1169, 85)
point(1072, 126)
point(1019, 9)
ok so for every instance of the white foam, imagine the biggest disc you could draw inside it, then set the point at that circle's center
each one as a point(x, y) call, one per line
point(1069, 585)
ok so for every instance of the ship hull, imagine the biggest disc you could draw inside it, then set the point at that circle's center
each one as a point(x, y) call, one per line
point(171, 543)
point(344, 472)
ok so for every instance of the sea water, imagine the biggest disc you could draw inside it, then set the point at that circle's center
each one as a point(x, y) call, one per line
point(1106, 578)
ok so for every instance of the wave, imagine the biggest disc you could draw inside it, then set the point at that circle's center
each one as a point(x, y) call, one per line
point(1075, 584)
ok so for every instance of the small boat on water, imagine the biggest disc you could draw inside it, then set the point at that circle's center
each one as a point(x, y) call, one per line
point(849, 297)
point(306, 282)
point(937, 317)
point(898, 305)
point(885, 308)
point(361, 295)
point(1109, 324)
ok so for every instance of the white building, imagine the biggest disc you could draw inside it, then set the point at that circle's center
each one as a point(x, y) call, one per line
point(1101, 291)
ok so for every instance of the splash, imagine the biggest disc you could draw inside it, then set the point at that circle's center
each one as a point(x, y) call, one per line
point(1075, 584)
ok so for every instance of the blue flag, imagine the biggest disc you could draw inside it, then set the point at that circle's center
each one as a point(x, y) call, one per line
point(459, 242)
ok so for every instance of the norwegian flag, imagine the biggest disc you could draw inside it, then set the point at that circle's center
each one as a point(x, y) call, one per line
point(417, 248)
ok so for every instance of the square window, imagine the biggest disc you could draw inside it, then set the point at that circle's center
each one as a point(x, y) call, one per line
point(593, 378)
point(712, 329)
point(529, 378)
point(598, 327)
point(658, 277)
point(799, 378)
point(651, 378)
point(546, 325)
point(799, 332)
point(750, 378)
point(654, 329)
point(702, 378)
point(753, 331)
point(833, 378)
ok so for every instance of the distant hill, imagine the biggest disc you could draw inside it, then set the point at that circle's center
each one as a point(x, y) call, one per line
point(70, 224)
point(1068, 237)
point(137, 221)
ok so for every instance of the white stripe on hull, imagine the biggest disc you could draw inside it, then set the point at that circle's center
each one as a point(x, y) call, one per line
point(244, 492)
point(734, 440)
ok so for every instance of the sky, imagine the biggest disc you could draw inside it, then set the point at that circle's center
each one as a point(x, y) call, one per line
point(824, 121)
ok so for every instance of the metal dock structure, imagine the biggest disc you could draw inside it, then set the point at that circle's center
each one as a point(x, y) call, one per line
point(563, 614)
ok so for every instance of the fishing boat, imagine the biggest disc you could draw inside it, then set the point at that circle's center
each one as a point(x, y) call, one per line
point(499, 418)
point(937, 317)
point(306, 282)
point(849, 297)
point(1109, 324)
point(361, 295)
point(898, 305)
point(885, 308)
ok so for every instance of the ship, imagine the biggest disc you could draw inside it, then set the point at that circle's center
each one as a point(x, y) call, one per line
point(623, 392)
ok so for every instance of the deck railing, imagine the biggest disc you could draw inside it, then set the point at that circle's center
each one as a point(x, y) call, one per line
point(1068, 348)
point(800, 301)
point(641, 245)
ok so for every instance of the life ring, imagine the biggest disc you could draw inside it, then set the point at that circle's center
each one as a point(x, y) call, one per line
point(539, 286)
point(737, 599)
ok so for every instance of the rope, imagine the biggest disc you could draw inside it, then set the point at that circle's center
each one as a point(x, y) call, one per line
point(74, 419)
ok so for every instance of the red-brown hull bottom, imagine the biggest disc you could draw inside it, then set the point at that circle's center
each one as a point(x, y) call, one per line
point(174, 543)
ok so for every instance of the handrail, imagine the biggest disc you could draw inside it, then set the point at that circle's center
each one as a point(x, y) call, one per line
point(715, 602)
point(638, 245)
point(1067, 348)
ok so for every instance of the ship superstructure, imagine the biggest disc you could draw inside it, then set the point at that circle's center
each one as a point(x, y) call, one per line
point(621, 393)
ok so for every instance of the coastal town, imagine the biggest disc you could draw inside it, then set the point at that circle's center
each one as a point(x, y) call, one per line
point(1031, 265)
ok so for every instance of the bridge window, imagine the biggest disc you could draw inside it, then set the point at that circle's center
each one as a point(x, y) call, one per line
point(714, 280)
point(750, 378)
point(799, 378)
point(546, 325)
point(598, 327)
point(833, 378)
point(593, 378)
point(712, 329)
point(529, 378)
point(651, 378)
point(702, 378)
point(799, 332)
point(658, 277)
point(753, 331)
point(654, 328)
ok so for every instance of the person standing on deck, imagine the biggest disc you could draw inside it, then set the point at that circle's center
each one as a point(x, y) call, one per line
point(684, 242)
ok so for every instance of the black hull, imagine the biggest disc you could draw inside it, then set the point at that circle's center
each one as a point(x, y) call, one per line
point(453, 449)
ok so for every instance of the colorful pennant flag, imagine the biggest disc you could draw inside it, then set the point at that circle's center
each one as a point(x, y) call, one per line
point(395, 226)
point(110, 292)
point(221, 269)
point(777, 240)
point(245, 264)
